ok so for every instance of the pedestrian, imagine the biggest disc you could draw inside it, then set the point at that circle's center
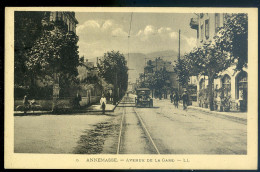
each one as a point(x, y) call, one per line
point(171, 97)
point(176, 100)
point(103, 103)
point(77, 100)
point(185, 99)
point(25, 103)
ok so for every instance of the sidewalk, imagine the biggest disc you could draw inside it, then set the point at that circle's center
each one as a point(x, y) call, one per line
point(97, 108)
point(91, 108)
point(241, 116)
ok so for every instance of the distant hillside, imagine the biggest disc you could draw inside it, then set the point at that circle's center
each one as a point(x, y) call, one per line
point(168, 55)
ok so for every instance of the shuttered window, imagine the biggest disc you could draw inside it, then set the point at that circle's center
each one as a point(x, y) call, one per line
point(207, 29)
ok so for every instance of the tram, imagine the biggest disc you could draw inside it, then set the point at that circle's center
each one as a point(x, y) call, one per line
point(143, 98)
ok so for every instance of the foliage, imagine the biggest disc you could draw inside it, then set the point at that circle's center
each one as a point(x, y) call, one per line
point(158, 80)
point(229, 46)
point(182, 69)
point(27, 28)
point(233, 38)
point(209, 60)
point(203, 96)
point(54, 52)
point(113, 68)
point(43, 49)
point(225, 102)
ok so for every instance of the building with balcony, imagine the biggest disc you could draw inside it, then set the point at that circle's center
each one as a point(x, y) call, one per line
point(67, 19)
point(234, 83)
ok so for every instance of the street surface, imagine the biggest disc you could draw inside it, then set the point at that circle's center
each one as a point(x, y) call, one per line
point(177, 131)
point(52, 133)
point(142, 131)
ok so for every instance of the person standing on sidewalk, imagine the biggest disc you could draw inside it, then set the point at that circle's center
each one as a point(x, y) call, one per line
point(103, 103)
point(26, 104)
point(185, 99)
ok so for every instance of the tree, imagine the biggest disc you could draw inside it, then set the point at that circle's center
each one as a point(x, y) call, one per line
point(157, 80)
point(27, 28)
point(54, 56)
point(182, 69)
point(228, 47)
point(209, 60)
point(113, 68)
point(233, 38)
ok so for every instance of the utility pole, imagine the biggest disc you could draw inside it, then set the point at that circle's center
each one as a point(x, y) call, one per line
point(144, 68)
point(179, 44)
point(179, 56)
point(128, 61)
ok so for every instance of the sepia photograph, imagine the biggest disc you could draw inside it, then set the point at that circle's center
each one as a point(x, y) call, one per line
point(130, 82)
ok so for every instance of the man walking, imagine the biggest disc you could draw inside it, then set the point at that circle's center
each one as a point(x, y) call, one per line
point(171, 97)
point(176, 99)
point(185, 99)
point(77, 99)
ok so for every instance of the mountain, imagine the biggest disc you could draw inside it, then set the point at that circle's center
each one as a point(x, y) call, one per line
point(137, 61)
point(167, 55)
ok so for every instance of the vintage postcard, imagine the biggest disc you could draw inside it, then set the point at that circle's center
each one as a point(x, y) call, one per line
point(131, 88)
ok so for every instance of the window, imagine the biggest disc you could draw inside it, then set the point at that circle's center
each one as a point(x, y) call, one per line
point(202, 84)
point(51, 16)
point(226, 85)
point(201, 33)
point(217, 22)
point(216, 93)
point(241, 86)
point(207, 29)
point(58, 15)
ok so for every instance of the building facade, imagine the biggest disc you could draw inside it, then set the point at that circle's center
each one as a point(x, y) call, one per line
point(69, 22)
point(233, 84)
point(68, 19)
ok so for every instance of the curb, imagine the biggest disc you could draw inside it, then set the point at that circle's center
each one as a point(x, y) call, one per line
point(217, 114)
point(32, 113)
point(62, 112)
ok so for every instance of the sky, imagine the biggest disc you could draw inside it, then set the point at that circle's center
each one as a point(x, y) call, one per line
point(100, 32)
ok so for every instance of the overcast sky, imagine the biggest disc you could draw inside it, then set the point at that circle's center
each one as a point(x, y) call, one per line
point(101, 32)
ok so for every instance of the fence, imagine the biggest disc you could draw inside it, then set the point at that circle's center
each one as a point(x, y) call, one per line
point(62, 103)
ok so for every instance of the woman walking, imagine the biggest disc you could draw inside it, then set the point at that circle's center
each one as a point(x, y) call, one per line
point(103, 102)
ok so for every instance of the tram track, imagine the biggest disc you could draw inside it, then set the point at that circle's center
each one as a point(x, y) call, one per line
point(120, 132)
point(125, 104)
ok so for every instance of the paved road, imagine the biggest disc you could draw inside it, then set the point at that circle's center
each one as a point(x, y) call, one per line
point(53, 133)
point(175, 131)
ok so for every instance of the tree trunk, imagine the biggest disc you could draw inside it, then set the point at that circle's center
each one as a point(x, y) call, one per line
point(211, 81)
